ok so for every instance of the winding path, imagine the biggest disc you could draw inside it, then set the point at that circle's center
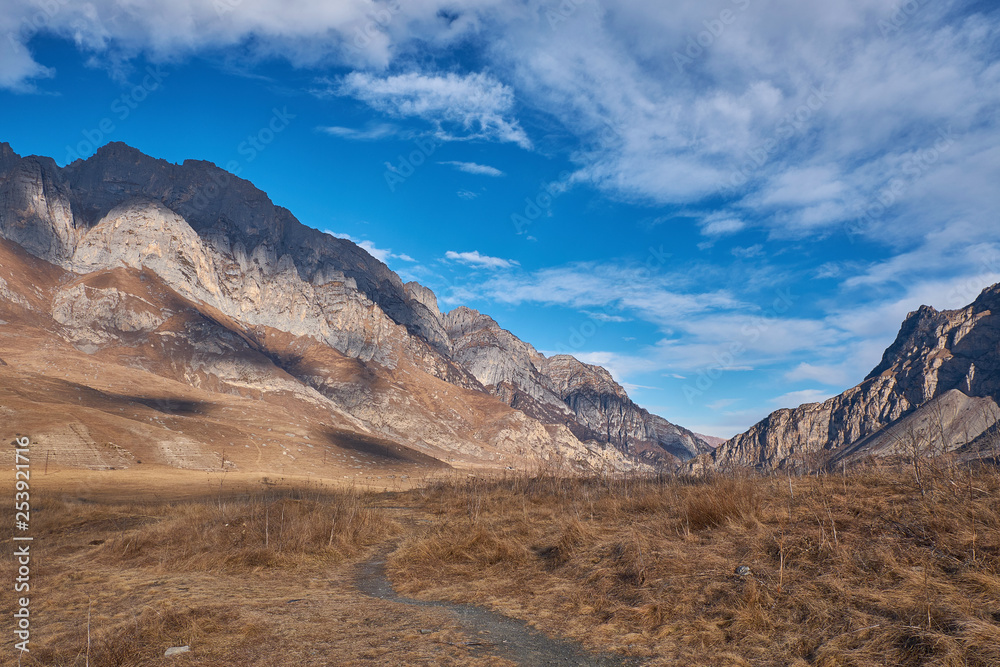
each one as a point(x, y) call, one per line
point(505, 637)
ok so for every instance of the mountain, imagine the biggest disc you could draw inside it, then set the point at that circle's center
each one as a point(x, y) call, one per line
point(562, 389)
point(936, 390)
point(132, 284)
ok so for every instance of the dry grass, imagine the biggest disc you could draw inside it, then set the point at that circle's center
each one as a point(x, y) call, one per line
point(150, 575)
point(856, 570)
point(260, 529)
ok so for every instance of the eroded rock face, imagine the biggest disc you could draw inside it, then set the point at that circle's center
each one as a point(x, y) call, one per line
point(50, 209)
point(35, 207)
point(563, 390)
point(258, 288)
point(603, 406)
point(935, 354)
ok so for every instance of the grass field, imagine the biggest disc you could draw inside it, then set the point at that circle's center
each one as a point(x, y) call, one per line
point(870, 568)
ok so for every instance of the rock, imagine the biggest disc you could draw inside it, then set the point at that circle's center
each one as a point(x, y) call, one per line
point(563, 390)
point(938, 385)
point(176, 650)
point(602, 405)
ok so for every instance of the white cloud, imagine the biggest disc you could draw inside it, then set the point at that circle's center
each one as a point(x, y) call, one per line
point(749, 252)
point(467, 195)
point(605, 317)
point(661, 299)
point(471, 106)
point(837, 375)
point(722, 403)
point(794, 399)
point(721, 224)
point(383, 255)
point(473, 168)
point(475, 259)
point(373, 132)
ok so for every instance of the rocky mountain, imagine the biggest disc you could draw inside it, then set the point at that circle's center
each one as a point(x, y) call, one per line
point(187, 279)
point(936, 390)
point(564, 390)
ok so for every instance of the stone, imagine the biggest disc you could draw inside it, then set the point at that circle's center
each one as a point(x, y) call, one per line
point(936, 390)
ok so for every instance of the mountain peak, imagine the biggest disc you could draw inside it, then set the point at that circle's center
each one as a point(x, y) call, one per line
point(7, 155)
point(938, 379)
point(118, 149)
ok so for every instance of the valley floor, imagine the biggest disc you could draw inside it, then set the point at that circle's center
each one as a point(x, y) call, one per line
point(878, 567)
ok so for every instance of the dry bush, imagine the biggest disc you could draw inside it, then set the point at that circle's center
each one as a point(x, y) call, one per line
point(258, 530)
point(715, 504)
point(110, 570)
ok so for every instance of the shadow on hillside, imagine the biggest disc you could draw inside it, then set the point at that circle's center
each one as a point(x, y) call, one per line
point(379, 448)
point(167, 405)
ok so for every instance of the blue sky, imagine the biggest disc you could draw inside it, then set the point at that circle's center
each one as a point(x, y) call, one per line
point(730, 204)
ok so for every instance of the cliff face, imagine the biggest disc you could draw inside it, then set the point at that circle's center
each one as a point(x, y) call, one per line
point(323, 320)
point(563, 390)
point(939, 379)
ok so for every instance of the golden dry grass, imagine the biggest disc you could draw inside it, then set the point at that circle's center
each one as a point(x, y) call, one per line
point(261, 577)
point(856, 570)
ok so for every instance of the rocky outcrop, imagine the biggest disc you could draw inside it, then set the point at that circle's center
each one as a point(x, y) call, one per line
point(48, 210)
point(563, 390)
point(603, 406)
point(258, 287)
point(937, 359)
point(35, 207)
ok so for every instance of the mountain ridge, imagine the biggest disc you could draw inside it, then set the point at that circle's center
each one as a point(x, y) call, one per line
point(941, 362)
point(217, 240)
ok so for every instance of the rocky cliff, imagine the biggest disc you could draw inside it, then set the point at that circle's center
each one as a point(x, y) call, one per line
point(935, 390)
point(563, 390)
point(146, 255)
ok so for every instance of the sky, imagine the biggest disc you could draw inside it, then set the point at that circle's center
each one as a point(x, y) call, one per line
point(730, 204)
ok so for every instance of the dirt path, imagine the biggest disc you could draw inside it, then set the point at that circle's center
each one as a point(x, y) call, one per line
point(494, 633)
